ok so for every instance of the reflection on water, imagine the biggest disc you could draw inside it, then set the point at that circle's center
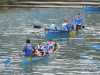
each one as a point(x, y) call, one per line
point(27, 68)
point(7, 70)
point(16, 25)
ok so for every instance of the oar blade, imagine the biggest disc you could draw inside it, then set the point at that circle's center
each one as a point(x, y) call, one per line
point(7, 61)
point(86, 57)
point(0, 53)
point(94, 47)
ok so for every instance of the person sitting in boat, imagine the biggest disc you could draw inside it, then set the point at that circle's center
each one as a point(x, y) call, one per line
point(47, 48)
point(56, 46)
point(27, 50)
point(78, 22)
point(51, 43)
point(70, 26)
point(53, 26)
point(35, 52)
point(39, 49)
point(64, 27)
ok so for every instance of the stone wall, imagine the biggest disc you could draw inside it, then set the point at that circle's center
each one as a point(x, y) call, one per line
point(5, 1)
point(65, 0)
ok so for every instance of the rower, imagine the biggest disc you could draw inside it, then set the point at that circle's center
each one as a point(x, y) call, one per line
point(54, 46)
point(51, 43)
point(78, 22)
point(53, 26)
point(64, 27)
point(47, 48)
point(70, 26)
point(35, 52)
point(27, 49)
point(39, 49)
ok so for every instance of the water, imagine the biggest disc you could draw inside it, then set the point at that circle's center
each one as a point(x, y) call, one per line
point(16, 25)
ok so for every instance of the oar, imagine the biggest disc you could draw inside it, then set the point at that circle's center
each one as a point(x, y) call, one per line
point(94, 47)
point(0, 53)
point(9, 59)
point(86, 57)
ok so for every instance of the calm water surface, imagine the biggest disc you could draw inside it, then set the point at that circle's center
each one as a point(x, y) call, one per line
point(16, 25)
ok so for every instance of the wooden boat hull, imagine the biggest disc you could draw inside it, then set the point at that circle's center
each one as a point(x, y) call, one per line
point(57, 33)
point(91, 8)
point(35, 59)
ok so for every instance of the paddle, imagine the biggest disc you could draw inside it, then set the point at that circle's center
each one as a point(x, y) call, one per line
point(86, 57)
point(0, 53)
point(9, 59)
point(94, 47)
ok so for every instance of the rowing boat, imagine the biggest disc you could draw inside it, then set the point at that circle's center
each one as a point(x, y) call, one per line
point(49, 33)
point(36, 59)
point(91, 8)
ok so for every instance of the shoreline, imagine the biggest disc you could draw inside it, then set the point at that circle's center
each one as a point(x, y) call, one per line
point(40, 6)
point(35, 4)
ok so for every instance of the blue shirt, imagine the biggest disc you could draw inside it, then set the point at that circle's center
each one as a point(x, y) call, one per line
point(51, 45)
point(38, 47)
point(79, 20)
point(47, 47)
point(52, 26)
point(70, 26)
point(63, 27)
point(28, 50)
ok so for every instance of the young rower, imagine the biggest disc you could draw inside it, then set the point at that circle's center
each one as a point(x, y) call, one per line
point(53, 26)
point(27, 49)
point(47, 47)
point(56, 46)
point(70, 26)
point(51, 43)
point(78, 21)
point(35, 52)
point(40, 49)
point(64, 27)
point(67, 26)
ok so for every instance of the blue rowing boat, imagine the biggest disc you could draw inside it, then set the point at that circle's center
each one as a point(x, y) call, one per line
point(49, 33)
point(91, 8)
point(36, 59)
